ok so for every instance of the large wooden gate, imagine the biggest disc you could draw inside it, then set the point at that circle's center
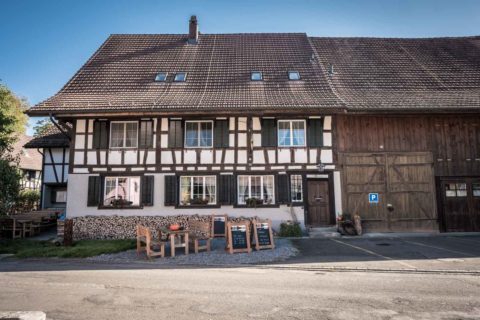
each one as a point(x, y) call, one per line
point(404, 182)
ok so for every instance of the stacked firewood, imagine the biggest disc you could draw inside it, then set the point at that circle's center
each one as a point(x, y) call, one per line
point(123, 227)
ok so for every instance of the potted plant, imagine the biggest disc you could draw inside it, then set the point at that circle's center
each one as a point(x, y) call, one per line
point(253, 202)
point(199, 201)
point(121, 203)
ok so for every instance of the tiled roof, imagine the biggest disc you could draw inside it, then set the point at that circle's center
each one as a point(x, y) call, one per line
point(436, 73)
point(369, 73)
point(51, 138)
point(28, 159)
point(120, 75)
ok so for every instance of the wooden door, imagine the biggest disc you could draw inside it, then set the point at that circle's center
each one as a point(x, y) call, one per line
point(405, 186)
point(318, 199)
point(461, 204)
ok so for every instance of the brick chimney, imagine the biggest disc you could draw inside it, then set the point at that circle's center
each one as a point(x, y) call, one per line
point(193, 30)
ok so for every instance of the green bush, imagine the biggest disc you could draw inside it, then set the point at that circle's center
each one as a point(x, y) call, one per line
point(290, 229)
point(27, 200)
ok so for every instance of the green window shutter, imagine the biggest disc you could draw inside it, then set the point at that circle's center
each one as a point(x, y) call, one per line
point(171, 190)
point(100, 135)
point(147, 190)
point(221, 136)
point(269, 133)
point(283, 189)
point(315, 133)
point(146, 134)
point(226, 189)
point(94, 191)
point(175, 134)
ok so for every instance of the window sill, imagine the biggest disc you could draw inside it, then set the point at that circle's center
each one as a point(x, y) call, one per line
point(258, 206)
point(119, 208)
point(198, 206)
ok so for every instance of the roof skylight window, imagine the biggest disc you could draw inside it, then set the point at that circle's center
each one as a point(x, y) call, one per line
point(293, 75)
point(256, 76)
point(180, 77)
point(161, 77)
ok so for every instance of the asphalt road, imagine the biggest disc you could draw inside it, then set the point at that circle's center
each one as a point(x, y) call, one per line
point(296, 289)
point(239, 293)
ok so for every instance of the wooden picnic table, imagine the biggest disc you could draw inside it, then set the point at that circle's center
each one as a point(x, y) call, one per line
point(178, 239)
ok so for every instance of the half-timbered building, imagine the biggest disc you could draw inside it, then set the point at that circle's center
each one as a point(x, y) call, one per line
point(54, 146)
point(280, 126)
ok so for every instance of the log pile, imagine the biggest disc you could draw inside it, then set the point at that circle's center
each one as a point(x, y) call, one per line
point(123, 227)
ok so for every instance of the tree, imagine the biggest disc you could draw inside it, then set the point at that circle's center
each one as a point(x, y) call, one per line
point(12, 118)
point(42, 126)
point(12, 123)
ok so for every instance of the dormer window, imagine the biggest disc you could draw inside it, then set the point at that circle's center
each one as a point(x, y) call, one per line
point(161, 77)
point(256, 76)
point(180, 77)
point(293, 75)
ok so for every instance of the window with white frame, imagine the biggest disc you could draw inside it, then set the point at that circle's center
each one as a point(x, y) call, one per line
point(291, 133)
point(198, 134)
point(60, 196)
point(296, 188)
point(198, 190)
point(122, 191)
point(123, 134)
point(256, 188)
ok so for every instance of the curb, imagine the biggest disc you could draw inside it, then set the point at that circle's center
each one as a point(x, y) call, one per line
point(373, 270)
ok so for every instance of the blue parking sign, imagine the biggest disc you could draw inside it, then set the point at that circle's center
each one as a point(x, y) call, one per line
point(373, 197)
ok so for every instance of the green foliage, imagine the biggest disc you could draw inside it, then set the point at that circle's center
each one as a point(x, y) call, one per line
point(9, 186)
point(42, 126)
point(12, 118)
point(290, 229)
point(27, 200)
point(23, 248)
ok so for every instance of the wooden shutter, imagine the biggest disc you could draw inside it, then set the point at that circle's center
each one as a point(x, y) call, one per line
point(171, 190)
point(146, 134)
point(100, 135)
point(94, 191)
point(226, 189)
point(220, 137)
point(269, 133)
point(283, 191)
point(315, 133)
point(175, 134)
point(147, 190)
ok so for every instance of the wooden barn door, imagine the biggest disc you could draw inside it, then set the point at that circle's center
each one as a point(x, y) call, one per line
point(404, 183)
point(461, 204)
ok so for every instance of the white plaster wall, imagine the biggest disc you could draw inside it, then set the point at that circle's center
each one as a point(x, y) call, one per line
point(326, 156)
point(79, 141)
point(166, 157)
point(49, 175)
point(206, 156)
point(337, 189)
point(77, 205)
point(131, 157)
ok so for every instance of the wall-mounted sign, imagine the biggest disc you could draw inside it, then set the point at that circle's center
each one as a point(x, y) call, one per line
point(238, 237)
point(219, 225)
point(373, 197)
point(262, 234)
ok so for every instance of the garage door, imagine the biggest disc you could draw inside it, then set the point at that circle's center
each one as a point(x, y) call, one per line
point(461, 204)
point(405, 186)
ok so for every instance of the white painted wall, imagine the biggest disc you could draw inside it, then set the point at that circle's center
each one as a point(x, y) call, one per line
point(77, 205)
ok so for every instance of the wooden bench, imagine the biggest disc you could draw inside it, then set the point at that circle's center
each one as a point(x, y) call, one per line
point(145, 242)
point(200, 231)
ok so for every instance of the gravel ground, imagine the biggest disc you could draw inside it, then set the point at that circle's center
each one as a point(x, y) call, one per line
point(218, 256)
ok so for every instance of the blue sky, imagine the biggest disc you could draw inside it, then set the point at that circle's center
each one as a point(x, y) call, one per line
point(43, 43)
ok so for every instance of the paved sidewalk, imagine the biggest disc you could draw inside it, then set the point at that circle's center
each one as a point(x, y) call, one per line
point(391, 252)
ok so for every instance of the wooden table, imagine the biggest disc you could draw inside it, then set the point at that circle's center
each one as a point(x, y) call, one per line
point(178, 239)
point(26, 226)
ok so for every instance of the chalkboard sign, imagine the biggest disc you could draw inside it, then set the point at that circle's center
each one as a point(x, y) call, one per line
point(219, 225)
point(263, 236)
point(238, 237)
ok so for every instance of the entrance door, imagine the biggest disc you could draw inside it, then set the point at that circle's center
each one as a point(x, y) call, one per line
point(318, 203)
point(461, 204)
